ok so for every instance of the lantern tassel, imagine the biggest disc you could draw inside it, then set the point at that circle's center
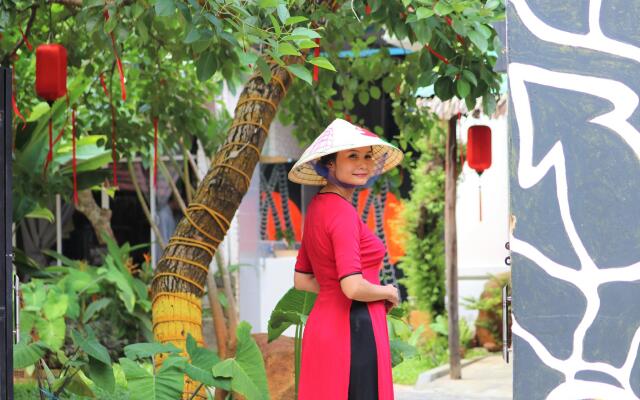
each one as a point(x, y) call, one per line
point(367, 9)
point(74, 164)
point(480, 200)
point(114, 153)
point(25, 39)
point(16, 110)
point(103, 84)
point(14, 102)
point(438, 55)
point(316, 53)
point(155, 152)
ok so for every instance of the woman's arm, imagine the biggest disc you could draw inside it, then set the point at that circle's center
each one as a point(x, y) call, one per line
point(306, 282)
point(357, 288)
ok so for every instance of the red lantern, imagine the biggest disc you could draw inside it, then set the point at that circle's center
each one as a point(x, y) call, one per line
point(479, 147)
point(51, 71)
point(479, 152)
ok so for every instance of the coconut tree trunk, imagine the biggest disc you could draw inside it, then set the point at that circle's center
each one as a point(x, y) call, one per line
point(181, 272)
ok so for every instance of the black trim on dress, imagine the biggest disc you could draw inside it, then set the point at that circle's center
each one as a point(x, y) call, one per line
point(353, 273)
point(304, 272)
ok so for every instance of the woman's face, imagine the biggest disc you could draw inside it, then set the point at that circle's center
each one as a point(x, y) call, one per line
point(353, 166)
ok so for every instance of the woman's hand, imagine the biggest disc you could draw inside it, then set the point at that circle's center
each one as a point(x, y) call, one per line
point(393, 295)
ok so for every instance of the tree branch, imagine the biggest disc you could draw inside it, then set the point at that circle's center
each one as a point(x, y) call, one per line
point(32, 17)
point(99, 218)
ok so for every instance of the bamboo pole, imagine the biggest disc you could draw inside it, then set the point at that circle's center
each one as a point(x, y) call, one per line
point(143, 204)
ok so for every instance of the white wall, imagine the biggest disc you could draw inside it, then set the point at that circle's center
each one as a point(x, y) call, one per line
point(481, 244)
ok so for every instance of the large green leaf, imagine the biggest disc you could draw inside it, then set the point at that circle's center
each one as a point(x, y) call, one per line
point(56, 305)
point(92, 347)
point(125, 291)
point(102, 374)
point(248, 376)
point(165, 384)
point(290, 310)
point(142, 350)
point(202, 362)
point(25, 355)
point(51, 332)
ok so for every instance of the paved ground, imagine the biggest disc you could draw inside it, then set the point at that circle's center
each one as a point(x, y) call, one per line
point(487, 379)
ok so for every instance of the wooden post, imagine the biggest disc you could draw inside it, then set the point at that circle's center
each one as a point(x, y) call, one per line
point(451, 250)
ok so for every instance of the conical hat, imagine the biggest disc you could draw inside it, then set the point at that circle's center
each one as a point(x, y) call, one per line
point(341, 135)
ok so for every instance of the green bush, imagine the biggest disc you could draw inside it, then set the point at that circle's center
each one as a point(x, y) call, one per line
point(423, 263)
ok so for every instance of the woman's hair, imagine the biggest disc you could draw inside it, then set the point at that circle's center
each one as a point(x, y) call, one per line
point(325, 160)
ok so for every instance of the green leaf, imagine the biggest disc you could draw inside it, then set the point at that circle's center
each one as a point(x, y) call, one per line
point(56, 305)
point(492, 4)
point(38, 111)
point(94, 307)
point(301, 72)
point(276, 25)
point(265, 70)
point(462, 88)
point(25, 355)
point(193, 36)
point(478, 39)
point(165, 8)
point(125, 291)
point(283, 12)
point(289, 310)
point(322, 62)
point(77, 385)
point(444, 88)
point(309, 33)
point(142, 350)
point(424, 12)
point(250, 363)
point(295, 20)
point(202, 362)
point(442, 8)
point(41, 213)
point(307, 44)
point(92, 347)
point(246, 370)
point(102, 374)
point(287, 49)
point(51, 332)
point(206, 66)
point(375, 93)
point(470, 76)
point(166, 384)
point(267, 3)
point(363, 98)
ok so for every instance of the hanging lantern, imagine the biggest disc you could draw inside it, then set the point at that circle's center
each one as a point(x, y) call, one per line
point(51, 81)
point(51, 71)
point(479, 152)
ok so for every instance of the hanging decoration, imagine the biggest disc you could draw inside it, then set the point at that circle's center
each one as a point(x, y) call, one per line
point(123, 91)
point(74, 165)
point(316, 53)
point(118, 60)
point(14, 103)
point(367, 9)
point(51, 82)
point(479, 152)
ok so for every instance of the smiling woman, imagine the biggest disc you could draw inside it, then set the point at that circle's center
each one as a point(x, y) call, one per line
point(345, 347)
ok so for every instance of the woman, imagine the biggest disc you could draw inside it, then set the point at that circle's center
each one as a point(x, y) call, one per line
point(345, 347)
